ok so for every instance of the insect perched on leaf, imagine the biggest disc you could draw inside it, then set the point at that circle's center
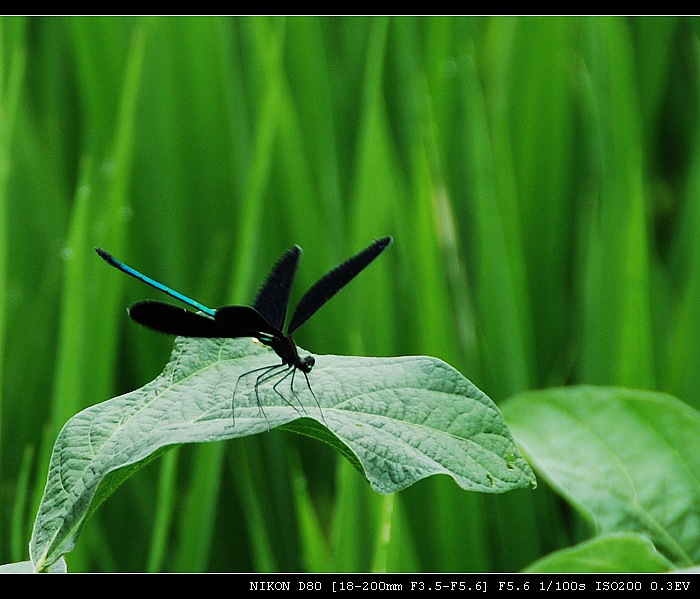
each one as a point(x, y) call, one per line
point(264, 320)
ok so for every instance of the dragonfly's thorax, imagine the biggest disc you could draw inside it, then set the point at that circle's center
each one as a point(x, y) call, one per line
point(286, 349)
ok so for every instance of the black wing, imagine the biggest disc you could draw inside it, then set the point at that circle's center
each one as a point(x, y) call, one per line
point(245, 321)
point(228, 322)
point(174, 320)
point(326, 287)
point(273, 297)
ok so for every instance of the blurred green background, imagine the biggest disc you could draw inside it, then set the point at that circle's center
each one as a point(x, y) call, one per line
point(540, 176)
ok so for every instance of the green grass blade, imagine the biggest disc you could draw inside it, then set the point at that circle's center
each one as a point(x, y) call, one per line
point(11, 81)
point(165, 511)
point(200, 511)
point(617, 326)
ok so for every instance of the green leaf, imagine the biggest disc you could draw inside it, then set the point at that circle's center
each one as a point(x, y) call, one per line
point(58, 567)
point(397, 419)
point(621, 552)
point(628, 460)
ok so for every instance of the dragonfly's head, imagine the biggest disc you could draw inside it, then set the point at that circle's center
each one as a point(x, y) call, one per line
point(306, 363)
